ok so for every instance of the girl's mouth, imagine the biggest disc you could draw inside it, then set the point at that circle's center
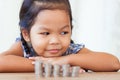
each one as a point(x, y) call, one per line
point(53, 51)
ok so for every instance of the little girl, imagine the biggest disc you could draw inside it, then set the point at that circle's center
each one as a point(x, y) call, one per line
point(46, 28)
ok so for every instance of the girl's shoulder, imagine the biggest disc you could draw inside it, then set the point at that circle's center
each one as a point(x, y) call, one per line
point(74, 48)
point(26, 55)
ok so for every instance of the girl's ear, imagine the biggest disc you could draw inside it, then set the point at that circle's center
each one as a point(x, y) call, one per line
point(25, 35)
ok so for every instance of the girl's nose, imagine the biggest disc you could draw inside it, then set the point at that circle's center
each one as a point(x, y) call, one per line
point(54, 40)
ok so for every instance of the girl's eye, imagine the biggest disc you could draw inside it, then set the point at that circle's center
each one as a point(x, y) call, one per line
point(45, 33)
point(63, 33)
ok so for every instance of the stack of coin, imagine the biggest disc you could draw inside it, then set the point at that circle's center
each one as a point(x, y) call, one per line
point(48, 69)
point(38, 68)
point(75, 71)
point(66, 70)
point(56, 70)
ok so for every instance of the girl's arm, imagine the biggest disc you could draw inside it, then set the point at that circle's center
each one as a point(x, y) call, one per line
point(95, 61)
point(15, 49)
point(12, 60)
point(88, 60)
point(13, 63)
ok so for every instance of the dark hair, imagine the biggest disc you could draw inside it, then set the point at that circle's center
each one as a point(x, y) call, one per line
point(31, 8)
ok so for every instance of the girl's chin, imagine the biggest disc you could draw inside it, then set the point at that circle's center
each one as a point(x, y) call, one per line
point(49, 56)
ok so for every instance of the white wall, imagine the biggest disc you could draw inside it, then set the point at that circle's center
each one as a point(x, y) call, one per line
point(9, 28)
point(96, 24)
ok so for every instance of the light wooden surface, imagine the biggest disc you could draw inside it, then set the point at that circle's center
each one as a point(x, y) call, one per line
point(83, 76)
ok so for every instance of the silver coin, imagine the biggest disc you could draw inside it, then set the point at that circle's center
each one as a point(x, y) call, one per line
point(48, 69)
point(38, 68)
point(66, 70)
point(75, 71)
point(56, 70)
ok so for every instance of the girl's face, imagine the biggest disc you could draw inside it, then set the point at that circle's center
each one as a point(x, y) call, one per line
point(51, 33)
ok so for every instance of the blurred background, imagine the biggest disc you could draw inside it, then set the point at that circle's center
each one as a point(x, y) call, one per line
point(96, 24)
